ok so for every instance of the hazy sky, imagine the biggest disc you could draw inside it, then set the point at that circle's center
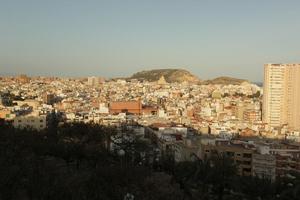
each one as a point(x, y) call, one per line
point(116, 38)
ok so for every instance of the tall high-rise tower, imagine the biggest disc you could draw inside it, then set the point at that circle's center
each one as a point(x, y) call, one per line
point(281, 103)
point(94, 81)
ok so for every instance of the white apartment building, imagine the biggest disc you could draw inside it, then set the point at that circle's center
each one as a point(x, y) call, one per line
point(93, 81)
point(281, 102)
point(264, 166)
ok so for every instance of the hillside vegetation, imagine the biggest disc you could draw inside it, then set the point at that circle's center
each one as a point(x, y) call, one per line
point(171, 75)
point(223, 80)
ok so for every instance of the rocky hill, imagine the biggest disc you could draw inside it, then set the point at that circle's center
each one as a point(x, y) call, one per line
point(223, 80)
point(171, 75)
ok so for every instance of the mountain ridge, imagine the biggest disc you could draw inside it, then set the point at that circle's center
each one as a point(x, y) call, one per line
point(182, 75)
point(225, 80)
point(171, 75)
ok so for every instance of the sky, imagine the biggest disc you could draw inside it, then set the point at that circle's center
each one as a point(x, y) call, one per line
point(116, 38)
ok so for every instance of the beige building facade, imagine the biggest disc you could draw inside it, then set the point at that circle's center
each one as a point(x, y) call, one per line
point(38, 122)
point(281, 103)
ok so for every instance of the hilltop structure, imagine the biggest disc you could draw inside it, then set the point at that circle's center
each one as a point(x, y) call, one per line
point(162, 81)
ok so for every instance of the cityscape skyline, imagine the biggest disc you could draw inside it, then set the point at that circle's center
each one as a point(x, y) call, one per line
point(149, 70)
point(113, 39)
point(161, 99)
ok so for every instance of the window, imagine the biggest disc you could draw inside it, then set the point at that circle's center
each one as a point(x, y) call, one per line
point(238, 162)
point(230, 153)
point(246, 170)
point(246, 162)
point(247, 155)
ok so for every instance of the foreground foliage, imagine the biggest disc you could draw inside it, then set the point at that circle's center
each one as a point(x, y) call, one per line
point(74, 161)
